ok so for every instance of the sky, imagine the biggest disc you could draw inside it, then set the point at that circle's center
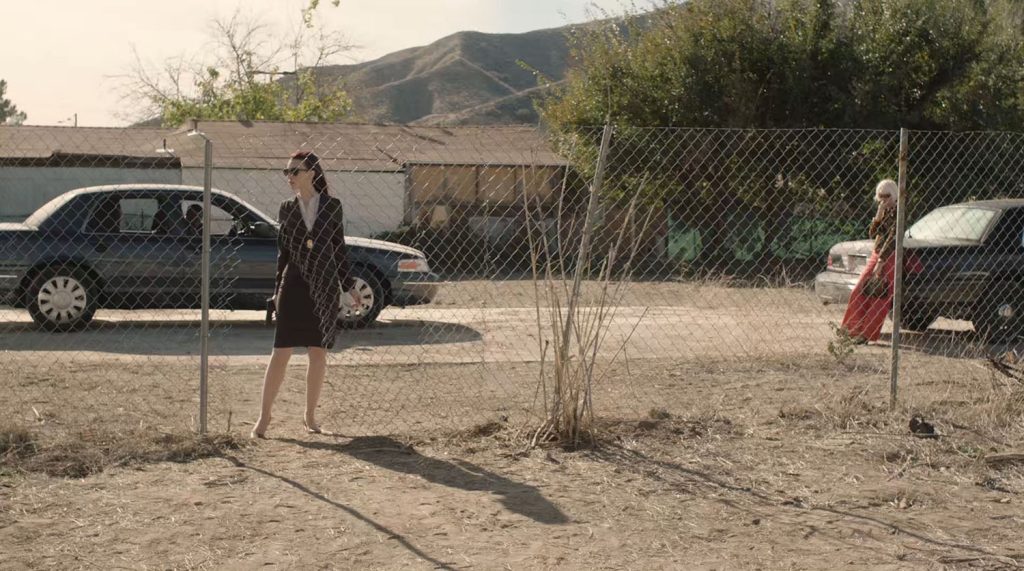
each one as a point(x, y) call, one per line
point(63, 58)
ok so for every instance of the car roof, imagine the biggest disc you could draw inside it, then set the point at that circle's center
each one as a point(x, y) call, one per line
point(1001, 203)
point(137, 186)
point(162, 187)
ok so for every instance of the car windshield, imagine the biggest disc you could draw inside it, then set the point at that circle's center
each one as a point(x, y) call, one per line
point(953, 223)
point(252, 209)
point(44, 212)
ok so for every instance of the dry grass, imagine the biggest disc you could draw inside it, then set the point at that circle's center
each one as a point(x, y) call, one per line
point(972, 419)
point(738, 464)
point(86, 452)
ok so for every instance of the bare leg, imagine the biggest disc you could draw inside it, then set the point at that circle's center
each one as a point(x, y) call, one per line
point(272, 381)
point(314, 382)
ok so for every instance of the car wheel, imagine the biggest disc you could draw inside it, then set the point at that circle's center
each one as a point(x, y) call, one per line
point(62, 298)
point(916, 318)
point(999, 318)
point(370, 290)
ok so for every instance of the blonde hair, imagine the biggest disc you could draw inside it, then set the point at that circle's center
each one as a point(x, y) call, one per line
point(888, 186)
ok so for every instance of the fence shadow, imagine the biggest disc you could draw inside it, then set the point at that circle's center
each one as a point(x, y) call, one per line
point(227, 338)
point(955, 344)
point(391, 454)
point(401, 539)
point(823, 520)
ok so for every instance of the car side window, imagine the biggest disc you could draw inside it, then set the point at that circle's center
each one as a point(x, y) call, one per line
point(1009, 232)
point(1016, 230)
point(116, 215)
point(137, 215)
point(221, 223)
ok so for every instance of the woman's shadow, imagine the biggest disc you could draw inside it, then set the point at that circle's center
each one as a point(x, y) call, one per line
point(393, 455)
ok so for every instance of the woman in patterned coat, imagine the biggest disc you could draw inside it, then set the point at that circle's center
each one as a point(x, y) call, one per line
point(312, 267)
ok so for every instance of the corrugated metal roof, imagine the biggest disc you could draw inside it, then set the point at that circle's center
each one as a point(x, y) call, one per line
point(31, 142)
point(258, 145)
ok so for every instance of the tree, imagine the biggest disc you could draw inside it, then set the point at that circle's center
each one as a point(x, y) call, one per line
point(244, 79)
point(310, 9)
point(8, 111)
point(863, 64)
point(800, 63)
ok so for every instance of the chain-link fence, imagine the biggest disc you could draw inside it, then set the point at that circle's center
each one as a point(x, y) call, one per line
point(706, 246)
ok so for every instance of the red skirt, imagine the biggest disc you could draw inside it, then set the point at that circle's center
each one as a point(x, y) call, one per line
point(865, 315)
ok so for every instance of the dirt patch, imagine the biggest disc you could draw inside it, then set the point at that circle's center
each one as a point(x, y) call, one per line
point(738, 465)
point(736, 441)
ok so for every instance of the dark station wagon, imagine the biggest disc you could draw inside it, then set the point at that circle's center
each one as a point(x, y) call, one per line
point(134, 247)
point(964, 261)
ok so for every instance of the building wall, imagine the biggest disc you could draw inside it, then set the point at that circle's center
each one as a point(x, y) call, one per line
point(24, 189)
point(373, 202)
point(480, 190)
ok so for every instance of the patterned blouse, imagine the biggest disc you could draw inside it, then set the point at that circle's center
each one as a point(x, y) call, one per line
point(883, 231)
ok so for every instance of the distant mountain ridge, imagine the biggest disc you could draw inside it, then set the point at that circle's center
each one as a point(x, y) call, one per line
point(462, 79)
point(467, 78)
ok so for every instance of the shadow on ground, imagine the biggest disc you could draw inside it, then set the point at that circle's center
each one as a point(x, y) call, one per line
point(229, 338)
point(393, 455)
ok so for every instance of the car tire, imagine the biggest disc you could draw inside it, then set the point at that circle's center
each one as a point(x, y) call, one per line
point(999, 317)
point(371, 293)
point(62, 298)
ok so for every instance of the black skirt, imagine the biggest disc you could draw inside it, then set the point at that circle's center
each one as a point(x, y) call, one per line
point(297, 323)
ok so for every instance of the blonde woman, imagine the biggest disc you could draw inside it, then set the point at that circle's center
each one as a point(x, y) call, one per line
point(870, 302)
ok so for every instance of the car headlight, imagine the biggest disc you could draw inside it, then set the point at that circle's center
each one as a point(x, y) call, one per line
point(413, 265)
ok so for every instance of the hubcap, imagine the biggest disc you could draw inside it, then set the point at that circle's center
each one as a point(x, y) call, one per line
point(366, 300)
point(1006, 311)
point(62, 299)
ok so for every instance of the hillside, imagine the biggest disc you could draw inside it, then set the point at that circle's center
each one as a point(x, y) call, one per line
point(465, 78)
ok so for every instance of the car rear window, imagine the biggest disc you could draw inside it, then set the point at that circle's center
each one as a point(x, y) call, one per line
point(953, 223)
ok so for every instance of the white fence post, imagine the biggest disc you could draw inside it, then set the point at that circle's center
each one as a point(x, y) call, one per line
point(204, 324)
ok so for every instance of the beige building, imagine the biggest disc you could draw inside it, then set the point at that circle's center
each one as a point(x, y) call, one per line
point(386, 175)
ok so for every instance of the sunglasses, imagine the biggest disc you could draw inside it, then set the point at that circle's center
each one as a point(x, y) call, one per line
point(293, 171)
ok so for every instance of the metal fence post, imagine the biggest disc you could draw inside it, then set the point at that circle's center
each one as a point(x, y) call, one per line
point(897, 298)
point(204, 323)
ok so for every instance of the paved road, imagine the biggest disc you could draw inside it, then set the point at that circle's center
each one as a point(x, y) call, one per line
point(435, 335)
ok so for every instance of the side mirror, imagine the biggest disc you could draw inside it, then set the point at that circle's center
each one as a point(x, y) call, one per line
point(262, 230)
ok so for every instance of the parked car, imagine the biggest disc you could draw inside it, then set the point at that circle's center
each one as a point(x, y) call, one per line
point(964, 261)
point(134, 247)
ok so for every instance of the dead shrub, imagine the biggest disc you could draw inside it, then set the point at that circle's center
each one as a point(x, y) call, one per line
point(17, 442)
point(575, 326)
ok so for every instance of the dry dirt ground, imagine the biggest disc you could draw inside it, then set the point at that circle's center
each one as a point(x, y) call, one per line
point(711, 454)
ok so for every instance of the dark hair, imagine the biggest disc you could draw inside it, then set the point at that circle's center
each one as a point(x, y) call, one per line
point(312, 162)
